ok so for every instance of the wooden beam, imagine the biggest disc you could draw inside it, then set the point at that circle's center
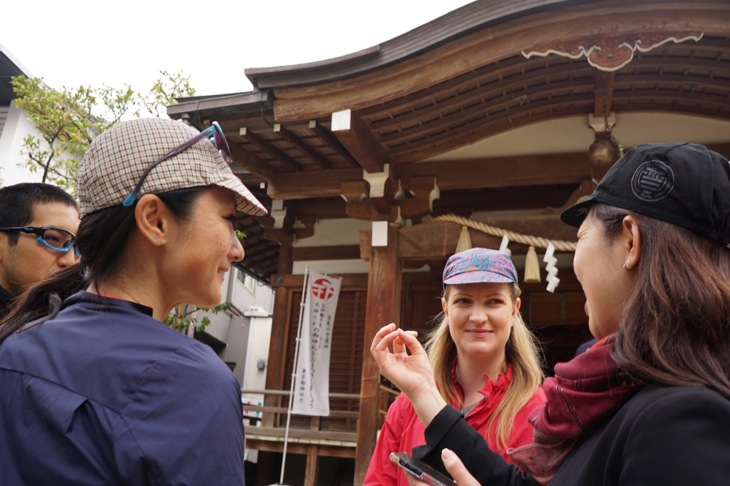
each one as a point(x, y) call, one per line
point(603, 93)
point(269, 148)
point(517, 171)
point(343, 252)
point(422, 191)
point(369, 210)
point(323, 209)
point(358, 139)
point(383, 306)
point(297, 448)
point(500, 110)
point(503, 199)
point(250, 162)
point(329, 138)
point(310, 470)
point(297, 142)
point(492, 82)
point(305, 185)
point(435, 241)
point(280, 323)
point(354, 191)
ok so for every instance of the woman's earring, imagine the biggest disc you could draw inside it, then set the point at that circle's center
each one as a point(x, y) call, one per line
point(626, 264)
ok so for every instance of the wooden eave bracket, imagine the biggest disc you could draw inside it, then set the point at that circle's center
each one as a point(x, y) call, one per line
point(278, 223)
point(304, 226)
point(354, 134)
point(584, 190)
point(421, 193)
point(372, 198)
point(413, 201)
point(250, 162)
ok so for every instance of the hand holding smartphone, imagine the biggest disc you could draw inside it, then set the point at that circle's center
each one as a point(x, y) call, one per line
point(420, 470)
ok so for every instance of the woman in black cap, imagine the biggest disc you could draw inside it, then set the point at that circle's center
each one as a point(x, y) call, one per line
point(650, 402)
point(94, 389)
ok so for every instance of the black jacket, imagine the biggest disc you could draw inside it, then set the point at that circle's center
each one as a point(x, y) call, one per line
point(663, 435)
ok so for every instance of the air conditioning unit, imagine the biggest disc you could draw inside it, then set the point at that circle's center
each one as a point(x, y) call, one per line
point(256, 311)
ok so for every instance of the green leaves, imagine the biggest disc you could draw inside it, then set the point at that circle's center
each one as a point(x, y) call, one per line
point(183, 316)
point(68, 120)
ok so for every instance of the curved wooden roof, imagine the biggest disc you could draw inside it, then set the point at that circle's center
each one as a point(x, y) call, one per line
point(487, 68)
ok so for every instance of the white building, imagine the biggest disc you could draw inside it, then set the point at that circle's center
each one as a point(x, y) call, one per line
point(14, 125)
point(240, 335)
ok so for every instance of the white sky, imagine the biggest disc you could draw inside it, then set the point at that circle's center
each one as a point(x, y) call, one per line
point(93, 43)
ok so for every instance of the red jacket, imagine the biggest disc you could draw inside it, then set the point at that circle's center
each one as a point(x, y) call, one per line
point(403, 430)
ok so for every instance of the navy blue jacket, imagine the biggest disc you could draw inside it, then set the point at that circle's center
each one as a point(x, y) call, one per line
point(104, 394)
point(663, 435)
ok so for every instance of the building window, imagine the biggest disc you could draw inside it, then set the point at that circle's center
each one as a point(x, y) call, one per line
point(247, 280)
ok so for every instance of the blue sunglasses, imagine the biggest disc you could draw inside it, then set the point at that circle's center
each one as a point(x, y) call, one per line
point(54, 238)
point(214, 133)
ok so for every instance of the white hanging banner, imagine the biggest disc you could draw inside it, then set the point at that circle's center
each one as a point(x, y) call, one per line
point(311, 390)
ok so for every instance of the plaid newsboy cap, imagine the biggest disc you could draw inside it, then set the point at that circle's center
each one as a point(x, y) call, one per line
point(119, 156)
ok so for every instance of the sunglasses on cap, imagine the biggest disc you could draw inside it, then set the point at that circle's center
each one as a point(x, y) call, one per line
point(214, 133)
point(54, 238)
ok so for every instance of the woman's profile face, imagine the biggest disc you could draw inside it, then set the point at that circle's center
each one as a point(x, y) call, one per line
point(598, 265)
point(205, 248)
point(480, 318)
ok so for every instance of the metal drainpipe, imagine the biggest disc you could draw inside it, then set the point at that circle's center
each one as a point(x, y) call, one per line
point(231, 275)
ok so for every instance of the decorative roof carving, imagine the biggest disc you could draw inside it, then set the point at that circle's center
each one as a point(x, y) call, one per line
point(611, 53)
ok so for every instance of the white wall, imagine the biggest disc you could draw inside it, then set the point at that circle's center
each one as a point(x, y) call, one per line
point(16, 127)
point(333, 232)
point(257, 352)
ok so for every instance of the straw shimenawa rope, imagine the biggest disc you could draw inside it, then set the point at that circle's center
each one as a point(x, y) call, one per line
point(536, 241)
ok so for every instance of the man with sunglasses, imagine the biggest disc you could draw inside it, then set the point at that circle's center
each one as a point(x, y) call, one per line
point(38, 224)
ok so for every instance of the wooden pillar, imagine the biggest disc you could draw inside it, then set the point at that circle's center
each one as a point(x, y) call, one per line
point(383, 306)
point(279, 330)
point(310, 471)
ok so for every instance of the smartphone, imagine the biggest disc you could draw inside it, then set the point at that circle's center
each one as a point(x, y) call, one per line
point(420, 470)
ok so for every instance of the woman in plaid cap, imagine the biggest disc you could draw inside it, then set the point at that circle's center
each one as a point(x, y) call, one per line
point(484, 358)
point(649, 403)
point(94, 389)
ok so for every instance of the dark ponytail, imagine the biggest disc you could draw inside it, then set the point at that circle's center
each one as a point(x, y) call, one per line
point(43, 299)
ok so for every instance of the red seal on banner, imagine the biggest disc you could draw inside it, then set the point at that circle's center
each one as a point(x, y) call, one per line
point(322, 289)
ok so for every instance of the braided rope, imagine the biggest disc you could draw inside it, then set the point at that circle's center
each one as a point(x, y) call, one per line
point(536, 241)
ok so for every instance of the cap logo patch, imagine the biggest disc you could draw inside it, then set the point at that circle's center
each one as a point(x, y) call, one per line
point(652, 181)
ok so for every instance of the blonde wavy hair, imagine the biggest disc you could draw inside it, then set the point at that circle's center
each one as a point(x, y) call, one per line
point(521, 352)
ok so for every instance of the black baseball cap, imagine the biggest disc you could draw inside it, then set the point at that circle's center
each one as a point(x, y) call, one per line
point(681, 183)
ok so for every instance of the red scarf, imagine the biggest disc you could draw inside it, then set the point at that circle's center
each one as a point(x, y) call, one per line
point(584, 393)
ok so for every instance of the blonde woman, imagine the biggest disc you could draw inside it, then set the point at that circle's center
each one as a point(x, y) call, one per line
point(484, 358)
